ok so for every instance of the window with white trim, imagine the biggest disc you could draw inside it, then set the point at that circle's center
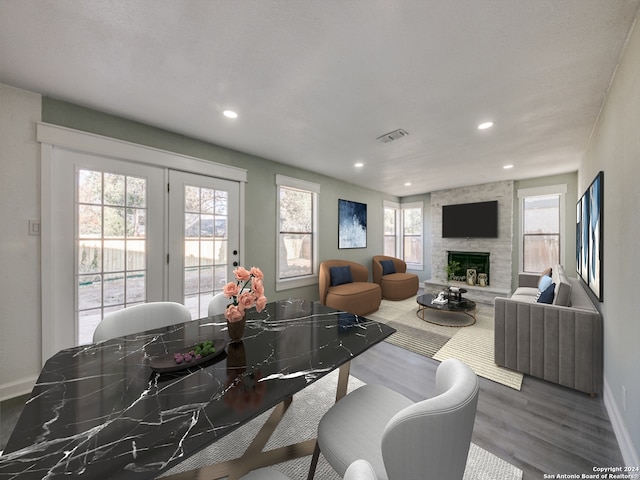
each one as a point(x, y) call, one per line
point(391, 222)
point(403, 232)
point(297, 227)
point(541, 227)
point(412, 242)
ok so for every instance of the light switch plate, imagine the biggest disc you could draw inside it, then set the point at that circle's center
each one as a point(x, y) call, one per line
point(34, 227)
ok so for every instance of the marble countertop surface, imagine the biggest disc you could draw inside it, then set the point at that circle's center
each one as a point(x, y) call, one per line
point(101, 412)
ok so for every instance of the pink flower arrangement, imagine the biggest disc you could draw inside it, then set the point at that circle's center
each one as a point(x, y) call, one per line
point(246, 292)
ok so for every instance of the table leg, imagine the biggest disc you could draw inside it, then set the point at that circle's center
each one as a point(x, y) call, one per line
point(343, 380)
point(314, 461)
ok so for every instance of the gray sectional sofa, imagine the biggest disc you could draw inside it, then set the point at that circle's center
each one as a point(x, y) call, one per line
point(560, 342)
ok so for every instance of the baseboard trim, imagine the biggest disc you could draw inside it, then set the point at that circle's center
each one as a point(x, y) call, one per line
point(17, 388)
point(629, 454)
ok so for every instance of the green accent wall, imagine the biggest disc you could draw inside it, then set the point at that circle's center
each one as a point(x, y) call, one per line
point(260, 199)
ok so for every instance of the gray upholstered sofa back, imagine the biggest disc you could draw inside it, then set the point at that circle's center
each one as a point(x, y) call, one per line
point(561, 344)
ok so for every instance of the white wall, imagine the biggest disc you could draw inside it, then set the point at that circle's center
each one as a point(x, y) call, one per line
point(615, 149)
point(20, 342)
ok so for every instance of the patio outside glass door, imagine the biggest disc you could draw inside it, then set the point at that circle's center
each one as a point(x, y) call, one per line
point(203, 238)
point(121, 237)
point(113, 267)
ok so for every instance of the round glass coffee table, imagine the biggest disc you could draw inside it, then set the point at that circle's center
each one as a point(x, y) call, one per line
point(464, 306)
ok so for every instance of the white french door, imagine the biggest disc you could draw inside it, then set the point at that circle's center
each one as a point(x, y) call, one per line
point(107, 241)
point(203, 238)
point(116, 233)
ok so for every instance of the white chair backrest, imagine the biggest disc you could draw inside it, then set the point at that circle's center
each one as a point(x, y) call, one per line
point(218, 304)
point(360, 470)
point(146, 316)
point(431, 439)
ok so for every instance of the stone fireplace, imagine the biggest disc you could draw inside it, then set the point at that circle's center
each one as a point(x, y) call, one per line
point(497, 250)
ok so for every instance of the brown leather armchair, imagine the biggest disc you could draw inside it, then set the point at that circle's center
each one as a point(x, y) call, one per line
point(358, 296)
point(397, 285)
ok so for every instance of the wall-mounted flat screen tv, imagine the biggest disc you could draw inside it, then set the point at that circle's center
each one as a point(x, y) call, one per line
point(470, 220)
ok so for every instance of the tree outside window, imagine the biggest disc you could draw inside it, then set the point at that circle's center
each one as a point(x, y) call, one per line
point(296, 246)
point(297, 232)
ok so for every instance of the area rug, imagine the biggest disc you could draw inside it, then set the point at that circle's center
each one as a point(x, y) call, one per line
point(300, 423)
point(472, 344)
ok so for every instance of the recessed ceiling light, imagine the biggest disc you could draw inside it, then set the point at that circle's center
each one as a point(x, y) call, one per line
point(230, 114)
point(507, 167)
point(407, 184)
point(359, 165)
point(485, 125)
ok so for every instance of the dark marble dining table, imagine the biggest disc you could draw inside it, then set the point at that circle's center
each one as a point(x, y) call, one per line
point(99, 411)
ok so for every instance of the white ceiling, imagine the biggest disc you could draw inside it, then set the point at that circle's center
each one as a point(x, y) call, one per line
point(316, 82)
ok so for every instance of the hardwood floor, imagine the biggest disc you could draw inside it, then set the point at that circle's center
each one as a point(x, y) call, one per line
point(10, 411)
point(542, 429)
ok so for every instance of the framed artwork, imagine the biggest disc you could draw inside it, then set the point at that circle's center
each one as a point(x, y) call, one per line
point(579, 238)
point(595, 235)
point(352, 224)
point(589, 236)
point(584, 237)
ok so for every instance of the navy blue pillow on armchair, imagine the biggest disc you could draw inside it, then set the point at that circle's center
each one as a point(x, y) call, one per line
point(387, 267)
point(548, 294)
point(340, 275)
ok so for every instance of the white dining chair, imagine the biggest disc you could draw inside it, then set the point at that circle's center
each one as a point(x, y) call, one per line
point(358, 470)
point(218, 304)
point(139, 318)
point(401, 439)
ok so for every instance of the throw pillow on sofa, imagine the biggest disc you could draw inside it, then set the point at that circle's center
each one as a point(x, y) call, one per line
point(547, 271)
point(544, 283)
point(387, 267)
point(340, 275)
point(547, 295)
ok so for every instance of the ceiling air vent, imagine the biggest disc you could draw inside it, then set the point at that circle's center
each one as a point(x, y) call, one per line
point(391, 136)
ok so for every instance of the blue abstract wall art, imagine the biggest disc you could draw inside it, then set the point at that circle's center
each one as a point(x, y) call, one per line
point(352, 224)
point(595, 236)
point(589, 248)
